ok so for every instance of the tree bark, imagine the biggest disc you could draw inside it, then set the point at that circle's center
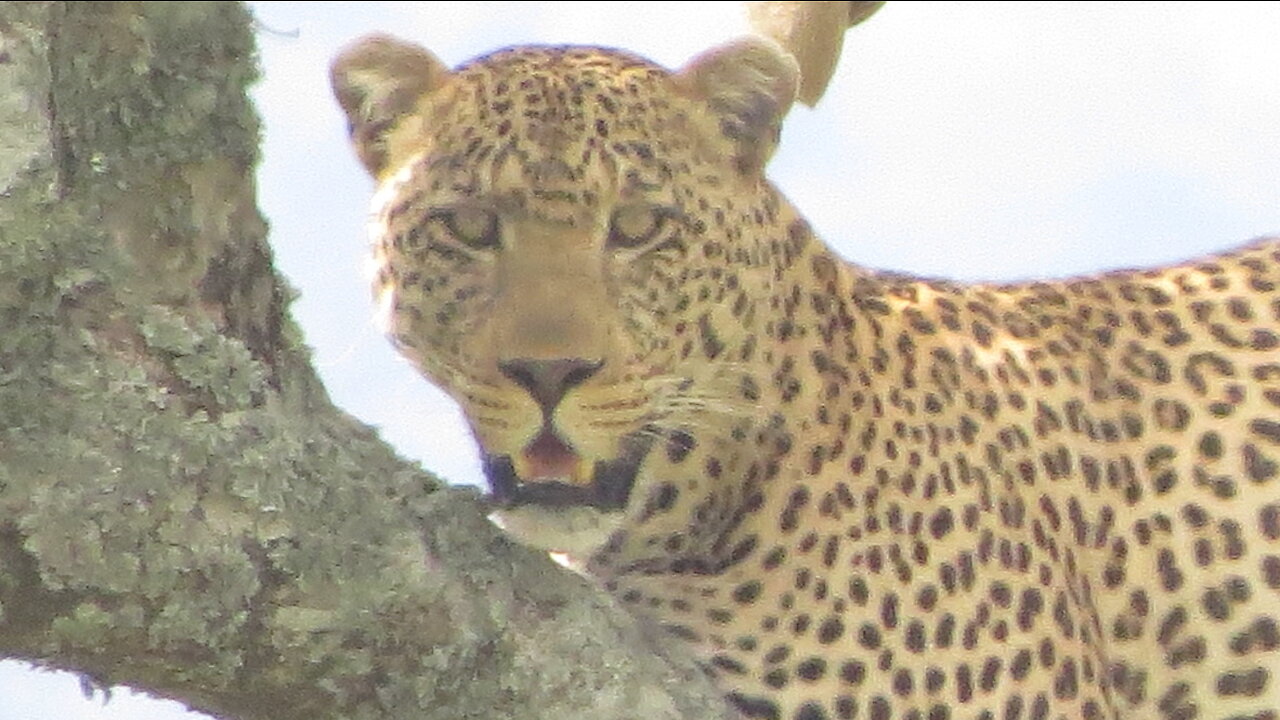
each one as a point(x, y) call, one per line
point(181, 508)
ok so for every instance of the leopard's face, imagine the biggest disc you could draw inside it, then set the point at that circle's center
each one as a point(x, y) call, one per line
point(550, 239)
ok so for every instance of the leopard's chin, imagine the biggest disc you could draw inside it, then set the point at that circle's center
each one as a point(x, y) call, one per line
point(607, 487)
point(576, 532)
point(565, 515)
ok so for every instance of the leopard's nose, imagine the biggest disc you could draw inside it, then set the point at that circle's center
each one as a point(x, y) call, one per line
point(547, 381)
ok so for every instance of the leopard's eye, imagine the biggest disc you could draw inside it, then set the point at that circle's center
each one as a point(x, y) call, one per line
point(474, 227)
point(635, 225)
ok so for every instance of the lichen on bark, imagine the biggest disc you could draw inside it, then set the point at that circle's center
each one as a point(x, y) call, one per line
point(181, 508)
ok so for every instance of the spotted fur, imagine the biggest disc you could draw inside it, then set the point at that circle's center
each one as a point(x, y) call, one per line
point(857, 494)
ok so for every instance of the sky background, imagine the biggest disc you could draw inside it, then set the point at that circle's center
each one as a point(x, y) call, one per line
point(968, 140)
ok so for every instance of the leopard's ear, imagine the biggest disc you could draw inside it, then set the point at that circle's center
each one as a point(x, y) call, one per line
point(378, 80)
point(750, 85)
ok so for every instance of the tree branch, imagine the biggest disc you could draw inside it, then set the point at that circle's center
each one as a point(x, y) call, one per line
point(181, 508)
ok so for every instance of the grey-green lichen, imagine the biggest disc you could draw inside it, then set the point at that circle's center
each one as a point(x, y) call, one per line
point(181, 509)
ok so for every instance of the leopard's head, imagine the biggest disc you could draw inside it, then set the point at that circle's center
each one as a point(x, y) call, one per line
point(564, 243)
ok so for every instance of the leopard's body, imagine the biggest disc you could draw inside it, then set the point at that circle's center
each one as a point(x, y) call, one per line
point(858, 494)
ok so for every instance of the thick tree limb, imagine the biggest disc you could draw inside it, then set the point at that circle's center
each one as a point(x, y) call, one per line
point(181, 509)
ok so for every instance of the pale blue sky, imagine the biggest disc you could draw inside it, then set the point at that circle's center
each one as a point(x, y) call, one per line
point(971, 140)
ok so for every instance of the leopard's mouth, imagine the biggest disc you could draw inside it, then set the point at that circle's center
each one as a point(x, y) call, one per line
point(550, 473)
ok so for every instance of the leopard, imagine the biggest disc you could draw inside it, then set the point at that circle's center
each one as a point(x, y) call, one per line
point(853, 493)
